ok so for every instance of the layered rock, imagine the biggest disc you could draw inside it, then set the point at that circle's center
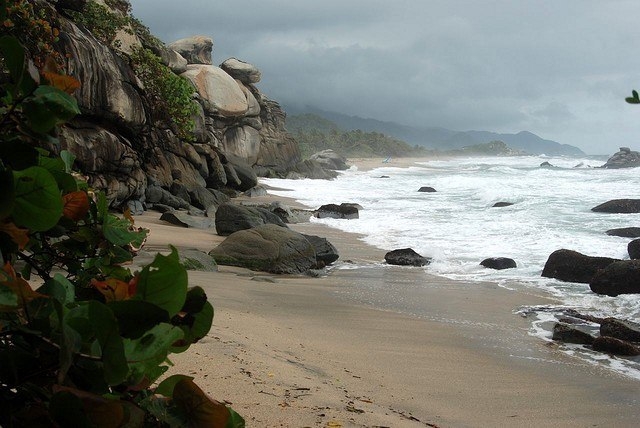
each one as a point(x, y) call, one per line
point(625, 158)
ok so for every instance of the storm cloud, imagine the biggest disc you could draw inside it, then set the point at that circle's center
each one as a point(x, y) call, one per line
point(560, 69)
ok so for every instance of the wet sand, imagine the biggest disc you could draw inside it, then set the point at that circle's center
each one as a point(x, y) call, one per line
point(374, 345)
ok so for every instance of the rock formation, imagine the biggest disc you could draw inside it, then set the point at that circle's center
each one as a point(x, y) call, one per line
point(625, 158)
point(572, 266)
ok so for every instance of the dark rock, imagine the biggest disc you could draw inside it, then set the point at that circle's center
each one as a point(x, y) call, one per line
point(329, 159)
point(620, 329)
point(311, 169)
point(197, 260)
point(179, 190)
point(634, 249)
point(344, 210)
point(181, 218)
point(614, 346)
point(153, 194)
point(135, 207)
point(289, 215)
point(572, 266)
point(625, 232)
point(427, 189)
point(546, 164)
point(406, 257)
point(326, 253)
point(204, 198)
point(230, 218)
point(268, 248)
point(502, 204)
point(499, 263)
point(619, 206)
point(590, 318)
point(246, 176)
point(569, 334)
point(384, 176)
point(620, 277)
point(256, 192)
point(161, 208)
point(625, 158)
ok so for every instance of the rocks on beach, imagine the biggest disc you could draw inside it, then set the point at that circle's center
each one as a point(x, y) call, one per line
point(344, 211)
point(499, 263)
point(619, 277)
point(406, 257)
point(619, 206)
point(572, 266)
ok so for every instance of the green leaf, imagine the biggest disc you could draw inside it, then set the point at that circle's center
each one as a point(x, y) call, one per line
point(68, 411)
point(116, 230)
point(136, 317)
point(106, 330)
point(164, 283)
point(194, 319)
point(166, 386)
point(14, 57)
point(7, 193)
point(8, 297)
point(60, 288)
point(38, 205)
point(235, 420)
point(49, 107)
point(68, 158)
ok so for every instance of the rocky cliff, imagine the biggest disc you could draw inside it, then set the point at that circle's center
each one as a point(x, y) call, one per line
point(126, 143)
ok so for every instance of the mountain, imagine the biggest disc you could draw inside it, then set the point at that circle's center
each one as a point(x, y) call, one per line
point(437, 137)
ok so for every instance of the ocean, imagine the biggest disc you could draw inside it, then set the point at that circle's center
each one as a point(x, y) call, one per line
point(457, 226)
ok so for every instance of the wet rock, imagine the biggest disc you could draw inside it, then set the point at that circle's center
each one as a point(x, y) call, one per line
point(427, 189)
point(619, 206)
point(326, 253)
point(625, 232)
point(230, 218)
point(625, 158)
point(572, 266)
point(570, 334)
point(614, 346)
point(499, 263)
point(289, 215)
point(620, 277)
point(344, 210)
point(620, 329)
point(406, 257)
point(633, 248)
point(502, 204)
point(256, 191)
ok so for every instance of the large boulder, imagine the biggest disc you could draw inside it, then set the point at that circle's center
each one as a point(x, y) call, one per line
point(625, 232)
point(620, 329)
point(184, 219)
point(619, 206)
point(242, 142)
point(326, 253)
point(406, 257)
point(344, 210)
point(620, 277)
point(243, 71)
point(499, 263)
point(243, 172)
point(625, 158)
point(205, 199)
point(309, 168)
point(195, 49)
point(330, 160)
point(219, 92)
point(193, 259)
point(427, 189)
point(268, 248)
point(231, 218)
point(614, 346)
point(633, 248)
point(572, 266)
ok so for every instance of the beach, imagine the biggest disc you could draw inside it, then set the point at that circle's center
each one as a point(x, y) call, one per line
point(380, 346)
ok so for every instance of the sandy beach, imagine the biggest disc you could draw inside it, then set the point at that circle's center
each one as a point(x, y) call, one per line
point(370, 345)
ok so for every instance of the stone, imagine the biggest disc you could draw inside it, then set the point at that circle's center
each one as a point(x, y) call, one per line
point(546, 164)
point(220, 93)
point(230, 218)
point(625, 232)
point(181, 218)
point(619, 277)
point(179, 190)
point(633, 248)
point(625, 158)
point(256, 191)
point(204, 198)
point(197, 260)
point(243, 71)
point(344, 210)
point(563, 332)
point(614, 346)
point(502, 204)
point(195, 49)
point(135, 207)
point(253, 110)
point(330, 160)
point(620, 329)
point(619, 206)
point(406, 257)
point(242, 142)
point(311, 169)
point(572, 266)
point(427, 189)
point(499, 263)
point(246, 176)
point(289, 215)
point(268, 248)
point(326, 253)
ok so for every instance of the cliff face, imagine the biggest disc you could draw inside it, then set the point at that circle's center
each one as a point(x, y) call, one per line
point(124, 146)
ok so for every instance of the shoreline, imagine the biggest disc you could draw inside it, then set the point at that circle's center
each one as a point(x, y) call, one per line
point(301, 351)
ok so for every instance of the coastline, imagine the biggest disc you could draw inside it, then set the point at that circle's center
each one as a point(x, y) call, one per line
point(300, 351)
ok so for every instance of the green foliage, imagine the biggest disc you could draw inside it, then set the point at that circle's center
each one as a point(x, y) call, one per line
point(103, 23)
point(634, 98)
point(83, 348)
point(170, 94)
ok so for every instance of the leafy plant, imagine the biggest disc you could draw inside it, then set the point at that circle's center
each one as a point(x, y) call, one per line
point(101, 21)
point(634, 98)
point(82, 338)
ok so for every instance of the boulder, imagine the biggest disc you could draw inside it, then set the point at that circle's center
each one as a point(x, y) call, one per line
point(502, 204)
point(311, 169)
point(570, 334)
point(135, 207)
point(625, 232)
point(620, 329)
point(406, 257)
point(498, 263)
point(219, 92)
point(243, 71)
point(330, 160)
point(633, 248)
point(427, 189)
point(326, 253)
point(195, 49)
point(197, 260)
point(625, 158)
point(619, 277)
point(268, 248)
point(171, 58)
point(205, 199)
point(289, 215)
point(619, 206)
point(344, 210)
point(614, 346)
point(232, 217)
point(256, 191)
point(244, 173)
point(546, 164)
point(181, 218)
point(242, 142)
point(572, 266)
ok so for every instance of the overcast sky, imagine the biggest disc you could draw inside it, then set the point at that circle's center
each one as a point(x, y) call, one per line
point(559, 68)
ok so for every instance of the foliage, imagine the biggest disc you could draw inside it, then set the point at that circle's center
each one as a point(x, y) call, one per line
point(634, 98)
point(171, 94)
point(103, 23)
point(82, 341)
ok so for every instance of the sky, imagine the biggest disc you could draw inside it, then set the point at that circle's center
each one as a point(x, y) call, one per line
point(558, 68)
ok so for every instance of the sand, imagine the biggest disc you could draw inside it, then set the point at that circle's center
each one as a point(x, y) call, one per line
point(379, 346)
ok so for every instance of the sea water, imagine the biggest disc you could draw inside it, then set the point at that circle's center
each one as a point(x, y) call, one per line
point(458, 226)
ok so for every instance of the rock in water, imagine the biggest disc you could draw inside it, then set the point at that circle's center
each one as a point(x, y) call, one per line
point(569, 334)
point(619, 206)
point(499, 263)
point(634, 249)
point(325, 251)
point(572, 266)
point(344, 210)
point(406, 257)
point(625, 158)
point(330, 160)
point(427, 189)
point(614, 346)
point(625, 232)
point(620, 277)
point(620, 329)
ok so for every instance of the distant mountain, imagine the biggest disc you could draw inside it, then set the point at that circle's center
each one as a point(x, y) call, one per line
point(437, 137)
